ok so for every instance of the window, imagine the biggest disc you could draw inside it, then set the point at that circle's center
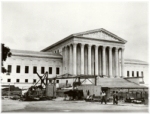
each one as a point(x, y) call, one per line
point(17, 80)
point(57, 81)
point(8, 80)
point(26, 69)
point(18, 69)
point(42, 70)
point(128, 73)
point(132, 73)
point(34, 80)
point(34, 70)
point(50, 70)
point(137, 74)
point(57, 70)
point(26, 80)
point(142, 74)
point(9, 68)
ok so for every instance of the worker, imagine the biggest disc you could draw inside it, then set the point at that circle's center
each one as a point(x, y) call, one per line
point(114, 97)
point(88, 94)
point(103, 97)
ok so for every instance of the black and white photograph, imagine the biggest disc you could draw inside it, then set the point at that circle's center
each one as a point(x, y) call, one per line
point(75, 56)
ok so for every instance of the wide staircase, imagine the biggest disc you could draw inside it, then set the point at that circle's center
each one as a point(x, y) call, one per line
point(117, 82)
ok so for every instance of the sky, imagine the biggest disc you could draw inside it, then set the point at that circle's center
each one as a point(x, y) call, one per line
point(36, 25)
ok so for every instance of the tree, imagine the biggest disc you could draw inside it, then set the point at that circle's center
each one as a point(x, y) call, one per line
point(5, 52)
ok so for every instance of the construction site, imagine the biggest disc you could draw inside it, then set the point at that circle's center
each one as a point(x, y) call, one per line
point(46, 93)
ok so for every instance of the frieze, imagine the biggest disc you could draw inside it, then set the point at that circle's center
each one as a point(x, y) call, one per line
point(94, 42)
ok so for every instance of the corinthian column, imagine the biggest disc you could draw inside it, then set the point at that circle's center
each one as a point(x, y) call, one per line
point(104, 61)
point(110, 61)
point(89, 59)
point(122, 62)
point(96, 60)
point(70, 60)
point(82, 59)
point(64, 58)
point(116, 59)
point(74, 59)
point(63, 54)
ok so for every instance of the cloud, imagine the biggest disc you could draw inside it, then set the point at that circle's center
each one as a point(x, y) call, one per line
point(40, 24)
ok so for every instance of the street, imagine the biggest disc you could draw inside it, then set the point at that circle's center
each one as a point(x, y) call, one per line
point(59, 105)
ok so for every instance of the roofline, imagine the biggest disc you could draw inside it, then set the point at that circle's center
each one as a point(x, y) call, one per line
point(26, 53)
point(64, 39)
point(39, 56)
point(80, 33)
point(136, 63)
point(101, 29)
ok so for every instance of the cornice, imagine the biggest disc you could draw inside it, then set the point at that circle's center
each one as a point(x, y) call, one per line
point(99, 39)
point(38, 56)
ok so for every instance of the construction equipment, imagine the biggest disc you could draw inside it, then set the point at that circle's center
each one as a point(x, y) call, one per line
point(44, 91)
point(75, 94)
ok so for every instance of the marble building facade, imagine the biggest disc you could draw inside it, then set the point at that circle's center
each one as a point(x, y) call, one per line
point(95, 52)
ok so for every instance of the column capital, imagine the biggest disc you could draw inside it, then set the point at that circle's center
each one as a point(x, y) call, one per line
point(74, 44)
point(116, 48)
point(89, 45)
point(82, 44)
point(104, 46)
point(122, 49)
point(96, 46)
point(64, 47)
point(70, 44)
point(110, 47)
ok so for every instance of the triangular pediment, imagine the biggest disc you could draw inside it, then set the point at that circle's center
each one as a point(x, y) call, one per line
point(101, 34)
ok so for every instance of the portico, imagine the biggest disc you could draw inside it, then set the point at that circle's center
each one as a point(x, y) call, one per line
point(95, 52)
point(91, 59)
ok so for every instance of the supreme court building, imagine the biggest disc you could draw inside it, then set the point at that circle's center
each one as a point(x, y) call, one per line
point(95, 52)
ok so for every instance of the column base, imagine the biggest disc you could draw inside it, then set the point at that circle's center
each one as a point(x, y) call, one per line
point(121, 76)
point(103, 76)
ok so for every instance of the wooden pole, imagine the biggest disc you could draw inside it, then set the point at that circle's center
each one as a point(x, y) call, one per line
point(95, 81)
point(9, 91)
point(46, 78)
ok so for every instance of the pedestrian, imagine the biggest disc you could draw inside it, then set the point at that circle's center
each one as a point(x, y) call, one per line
point(88, 94)
point(114, 97)
point(103, 99)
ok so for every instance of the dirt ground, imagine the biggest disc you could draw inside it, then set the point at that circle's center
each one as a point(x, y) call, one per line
point(59, 105)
